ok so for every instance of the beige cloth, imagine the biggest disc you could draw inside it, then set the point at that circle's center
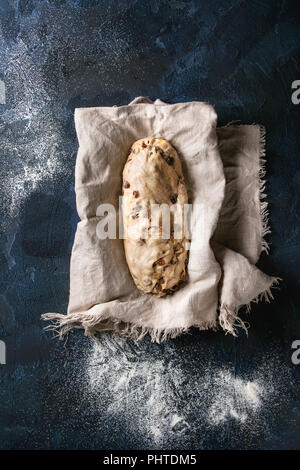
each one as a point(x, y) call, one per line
point(223, 169)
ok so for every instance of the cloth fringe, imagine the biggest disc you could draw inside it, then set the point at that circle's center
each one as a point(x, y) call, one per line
point(229, 316)
point(94, 323)
point(264, 213)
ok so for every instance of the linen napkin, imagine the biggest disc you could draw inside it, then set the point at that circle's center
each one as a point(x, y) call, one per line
point(224, 171)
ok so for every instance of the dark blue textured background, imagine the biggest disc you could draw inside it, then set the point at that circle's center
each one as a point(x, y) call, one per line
point(240, 56)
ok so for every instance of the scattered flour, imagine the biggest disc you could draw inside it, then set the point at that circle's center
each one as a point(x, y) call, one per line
point(165, 399)
point(237, 399)
point(35, 151)
point(32, 155)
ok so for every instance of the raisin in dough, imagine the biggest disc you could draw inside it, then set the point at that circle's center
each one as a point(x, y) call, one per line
point(153, 175)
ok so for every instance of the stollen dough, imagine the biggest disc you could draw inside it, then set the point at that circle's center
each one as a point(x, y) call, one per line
point(156, 250)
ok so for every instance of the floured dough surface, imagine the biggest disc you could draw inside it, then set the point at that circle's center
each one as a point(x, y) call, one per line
point(156, 254)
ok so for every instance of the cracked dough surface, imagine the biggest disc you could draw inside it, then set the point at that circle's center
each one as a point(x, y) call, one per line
point(156, 254)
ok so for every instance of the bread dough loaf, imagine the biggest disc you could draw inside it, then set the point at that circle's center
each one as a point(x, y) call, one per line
point(156, 256)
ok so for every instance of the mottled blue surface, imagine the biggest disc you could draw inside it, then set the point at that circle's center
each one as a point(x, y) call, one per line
point(192, 392)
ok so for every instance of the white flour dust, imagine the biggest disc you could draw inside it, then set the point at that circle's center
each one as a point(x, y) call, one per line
point(144, 392)
point(236, 400)
point(166, 399)
point(32, 155)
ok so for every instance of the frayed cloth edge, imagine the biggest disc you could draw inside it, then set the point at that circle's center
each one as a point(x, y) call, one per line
point(93, 323)
point(264, 213)
point(229, 318)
